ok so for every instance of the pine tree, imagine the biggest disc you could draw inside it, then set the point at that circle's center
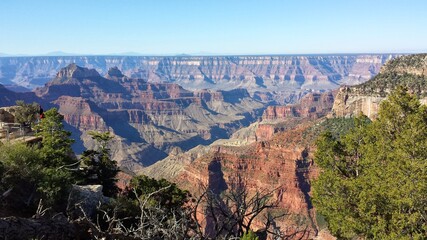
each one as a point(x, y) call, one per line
point(26, 113)
point(56, 142)
point(59, 169)
point(98, 167)
point(374, 179)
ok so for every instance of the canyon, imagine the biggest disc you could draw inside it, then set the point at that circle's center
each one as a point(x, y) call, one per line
point(166, 131)
point(407, 71)
point(150, 112)
point(273, 153)
point(277, 78)
point(277, 152)
point(147, 119)
point(8, 97)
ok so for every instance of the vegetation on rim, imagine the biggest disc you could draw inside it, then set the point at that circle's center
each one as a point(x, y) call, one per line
point(373, 180)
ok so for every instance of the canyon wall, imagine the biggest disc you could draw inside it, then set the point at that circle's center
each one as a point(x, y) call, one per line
point(148, 119)
point(273, 153)
point(8, 97)
point(407, 71)
point(311, 106)
point(280, 78)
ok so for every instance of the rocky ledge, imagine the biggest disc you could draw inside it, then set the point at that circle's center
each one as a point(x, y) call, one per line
point(408, 71)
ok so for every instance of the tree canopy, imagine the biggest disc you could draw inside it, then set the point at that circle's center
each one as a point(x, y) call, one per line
point(26, 113)
point(98, 166)
point(373, 182)
point(167, 193)
point(56, 142)
point(19, 179)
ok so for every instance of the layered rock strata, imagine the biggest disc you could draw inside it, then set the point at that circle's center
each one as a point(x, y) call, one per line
point(407, 71)
point(275, 153)
point(148, 119)
point(268, 78)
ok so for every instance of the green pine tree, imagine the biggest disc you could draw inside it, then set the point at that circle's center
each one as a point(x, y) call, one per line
point(249, 236)
point(26, 113)
point(56, 142)
point(59, 169)
point(98, 167)
point(374, 179)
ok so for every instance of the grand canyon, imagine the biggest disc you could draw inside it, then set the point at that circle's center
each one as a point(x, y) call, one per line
point(281, 78)
point(213, 120)
point(159, 105)
point(164, 130)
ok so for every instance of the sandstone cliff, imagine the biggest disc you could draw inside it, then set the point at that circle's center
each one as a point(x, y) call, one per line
point(275, 119)
point(273, 153)
point(148, 119)
point(408, 71)
point(311, 106)
point(283, 163)
point(269, 78)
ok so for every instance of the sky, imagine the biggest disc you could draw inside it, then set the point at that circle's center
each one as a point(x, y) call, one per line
point(212, 27)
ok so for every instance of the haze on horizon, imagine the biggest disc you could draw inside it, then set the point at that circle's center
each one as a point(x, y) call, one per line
point(221, 27)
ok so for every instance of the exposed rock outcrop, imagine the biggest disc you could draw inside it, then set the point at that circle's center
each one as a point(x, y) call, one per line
point(147, 119)
point(282, 163)
point(74, 71)
point(6, 115)
point(272, 154)
point(84, 200)
point(349, 104)
point(114, 72)
point(278, 78)
point(312, 105)
point(408, 71)
point(58, 227)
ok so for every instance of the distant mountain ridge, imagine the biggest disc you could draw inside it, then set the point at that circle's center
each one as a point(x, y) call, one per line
point(8, 97)
point(280, 78)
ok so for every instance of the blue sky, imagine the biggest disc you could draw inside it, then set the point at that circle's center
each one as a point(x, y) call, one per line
point(169, 27)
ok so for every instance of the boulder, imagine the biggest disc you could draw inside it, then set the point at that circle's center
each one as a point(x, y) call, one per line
point(84, 200)
point(16, 228)
point(6, 115)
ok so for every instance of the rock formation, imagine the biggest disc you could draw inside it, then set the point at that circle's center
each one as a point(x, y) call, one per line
point(8, 97)
point(283, 163)
point(57, 227)
point(408, 71)
point(148, 119)
point(84, 200)
point(6, 115)
point(273, 153)
point(268, 78)
point(311, 106)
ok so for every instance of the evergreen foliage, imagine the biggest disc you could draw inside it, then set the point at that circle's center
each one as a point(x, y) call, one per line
point(170, 195)
point(97, 165)
point(249, 236)
point(56, 142)
point(373, 182)
point(26, 113)
point(407, 71)
point(19, 179)
point(29, 174)
point(60, 167)
point(384, 82)
point(336, 126)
